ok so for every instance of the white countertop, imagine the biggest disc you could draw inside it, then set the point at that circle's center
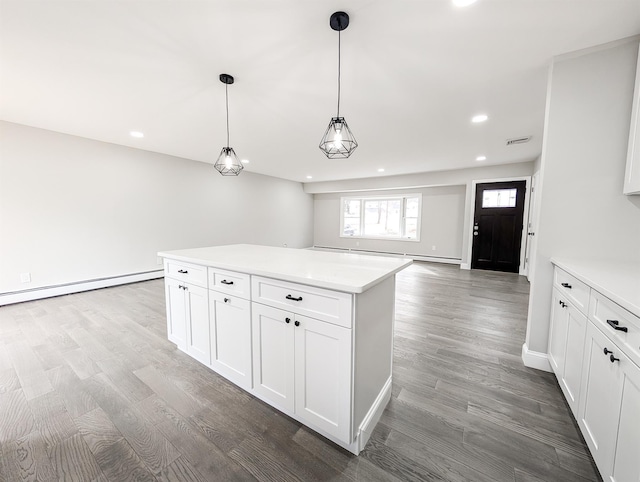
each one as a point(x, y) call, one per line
point(618, 281)
point(352, 273)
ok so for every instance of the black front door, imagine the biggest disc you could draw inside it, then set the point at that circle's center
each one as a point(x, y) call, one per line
point(497, 226)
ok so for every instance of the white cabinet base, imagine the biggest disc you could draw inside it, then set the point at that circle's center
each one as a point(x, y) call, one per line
point(319, 349)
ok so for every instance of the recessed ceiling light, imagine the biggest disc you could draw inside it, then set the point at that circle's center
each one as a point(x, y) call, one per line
point(245, 161)
point(479, 118)
point(380, 170)
point(481, 158)
point(463, 3)
point(309, 177)
point(136, 134)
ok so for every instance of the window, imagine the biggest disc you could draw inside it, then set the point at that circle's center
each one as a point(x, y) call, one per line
point(499, 198)
point(396, 217)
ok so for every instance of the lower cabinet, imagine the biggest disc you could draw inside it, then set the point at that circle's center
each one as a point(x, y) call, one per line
point(566, 346)
point(609, 413)
point(323, 357)
point(303, 366)
point(188, 318)
point(230, 325)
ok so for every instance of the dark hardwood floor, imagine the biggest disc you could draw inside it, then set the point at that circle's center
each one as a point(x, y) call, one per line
point(91, 390)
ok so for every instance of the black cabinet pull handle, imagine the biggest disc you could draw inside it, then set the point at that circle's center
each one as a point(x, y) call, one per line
point(225, 282)
point(287, 320)
point(606, 351)
point(226, 300)
point(183, 271)
point(614, 324)
point(566, 285)
point(297, 323)
point(563, 304)
point(180, 287)
point(289, 297)
point(613, 359)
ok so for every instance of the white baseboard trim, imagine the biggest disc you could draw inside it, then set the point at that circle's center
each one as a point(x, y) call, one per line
point(373, 416)
point(466, 266)
point(535, 359)
point(76, 287)
point(415, 257)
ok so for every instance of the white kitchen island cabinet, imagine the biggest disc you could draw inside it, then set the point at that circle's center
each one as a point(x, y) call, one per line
point(308, 332)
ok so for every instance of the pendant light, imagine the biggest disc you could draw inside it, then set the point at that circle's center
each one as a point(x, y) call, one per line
point(338, 141)
point(228, 163)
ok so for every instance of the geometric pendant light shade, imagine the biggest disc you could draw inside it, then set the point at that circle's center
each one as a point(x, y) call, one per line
point(338, 141)
point(228, 163)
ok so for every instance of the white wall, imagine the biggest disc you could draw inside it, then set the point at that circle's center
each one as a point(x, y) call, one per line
point(447, 244)
point(582, 211)
point(74, 209)
point(441, 222)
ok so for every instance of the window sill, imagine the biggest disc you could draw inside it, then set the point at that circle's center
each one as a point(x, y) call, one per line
point(381, 238)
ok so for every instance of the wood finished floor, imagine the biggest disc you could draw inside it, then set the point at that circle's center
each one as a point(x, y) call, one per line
point(91, 390)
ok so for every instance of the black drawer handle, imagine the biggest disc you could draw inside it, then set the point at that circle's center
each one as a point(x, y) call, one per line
point(287, 320)
point(613, 359)
point(607, 351)
point(566, 285)
point(614, 324)
point(563, 304)
point(297, 323)
point(289, 297)
point(225, 282)
point(183, 271)
point(226, 300)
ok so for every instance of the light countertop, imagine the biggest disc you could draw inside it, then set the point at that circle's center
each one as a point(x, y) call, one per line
point(352, 273)
point(618, 281)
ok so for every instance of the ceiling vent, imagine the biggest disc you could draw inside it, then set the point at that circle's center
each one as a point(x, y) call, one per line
point(518, 140)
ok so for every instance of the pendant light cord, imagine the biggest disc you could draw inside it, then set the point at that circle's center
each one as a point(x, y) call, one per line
point(338, 115)
point(226, 94)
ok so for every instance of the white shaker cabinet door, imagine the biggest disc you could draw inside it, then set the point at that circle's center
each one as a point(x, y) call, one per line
point(197, 318)
point(601, 395)
point(273, 355)
point(230, 322)
point(572, 376)
point(323, 375)
point(626, 464)
point(176, 312)
point(558, 334)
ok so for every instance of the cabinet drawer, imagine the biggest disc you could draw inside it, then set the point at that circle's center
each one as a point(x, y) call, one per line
point(230, 282)
point(614, 320)
point(319, 303)
point(190, 273)
point(575, 290)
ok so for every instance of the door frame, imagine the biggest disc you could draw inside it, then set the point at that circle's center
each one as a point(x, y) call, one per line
point(471, 206)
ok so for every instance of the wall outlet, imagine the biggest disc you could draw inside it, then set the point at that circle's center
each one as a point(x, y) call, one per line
point(25, 277)
point(433, 248)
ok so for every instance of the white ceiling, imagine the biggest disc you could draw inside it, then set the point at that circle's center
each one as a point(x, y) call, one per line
point(413, 74)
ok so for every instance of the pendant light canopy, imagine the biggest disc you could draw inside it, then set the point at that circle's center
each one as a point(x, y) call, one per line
point(338, 142)
point(228, 163)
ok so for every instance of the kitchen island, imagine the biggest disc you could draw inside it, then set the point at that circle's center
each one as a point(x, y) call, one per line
point(308, 332)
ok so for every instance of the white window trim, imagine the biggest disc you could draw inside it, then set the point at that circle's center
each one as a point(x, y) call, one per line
point(403, 197)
